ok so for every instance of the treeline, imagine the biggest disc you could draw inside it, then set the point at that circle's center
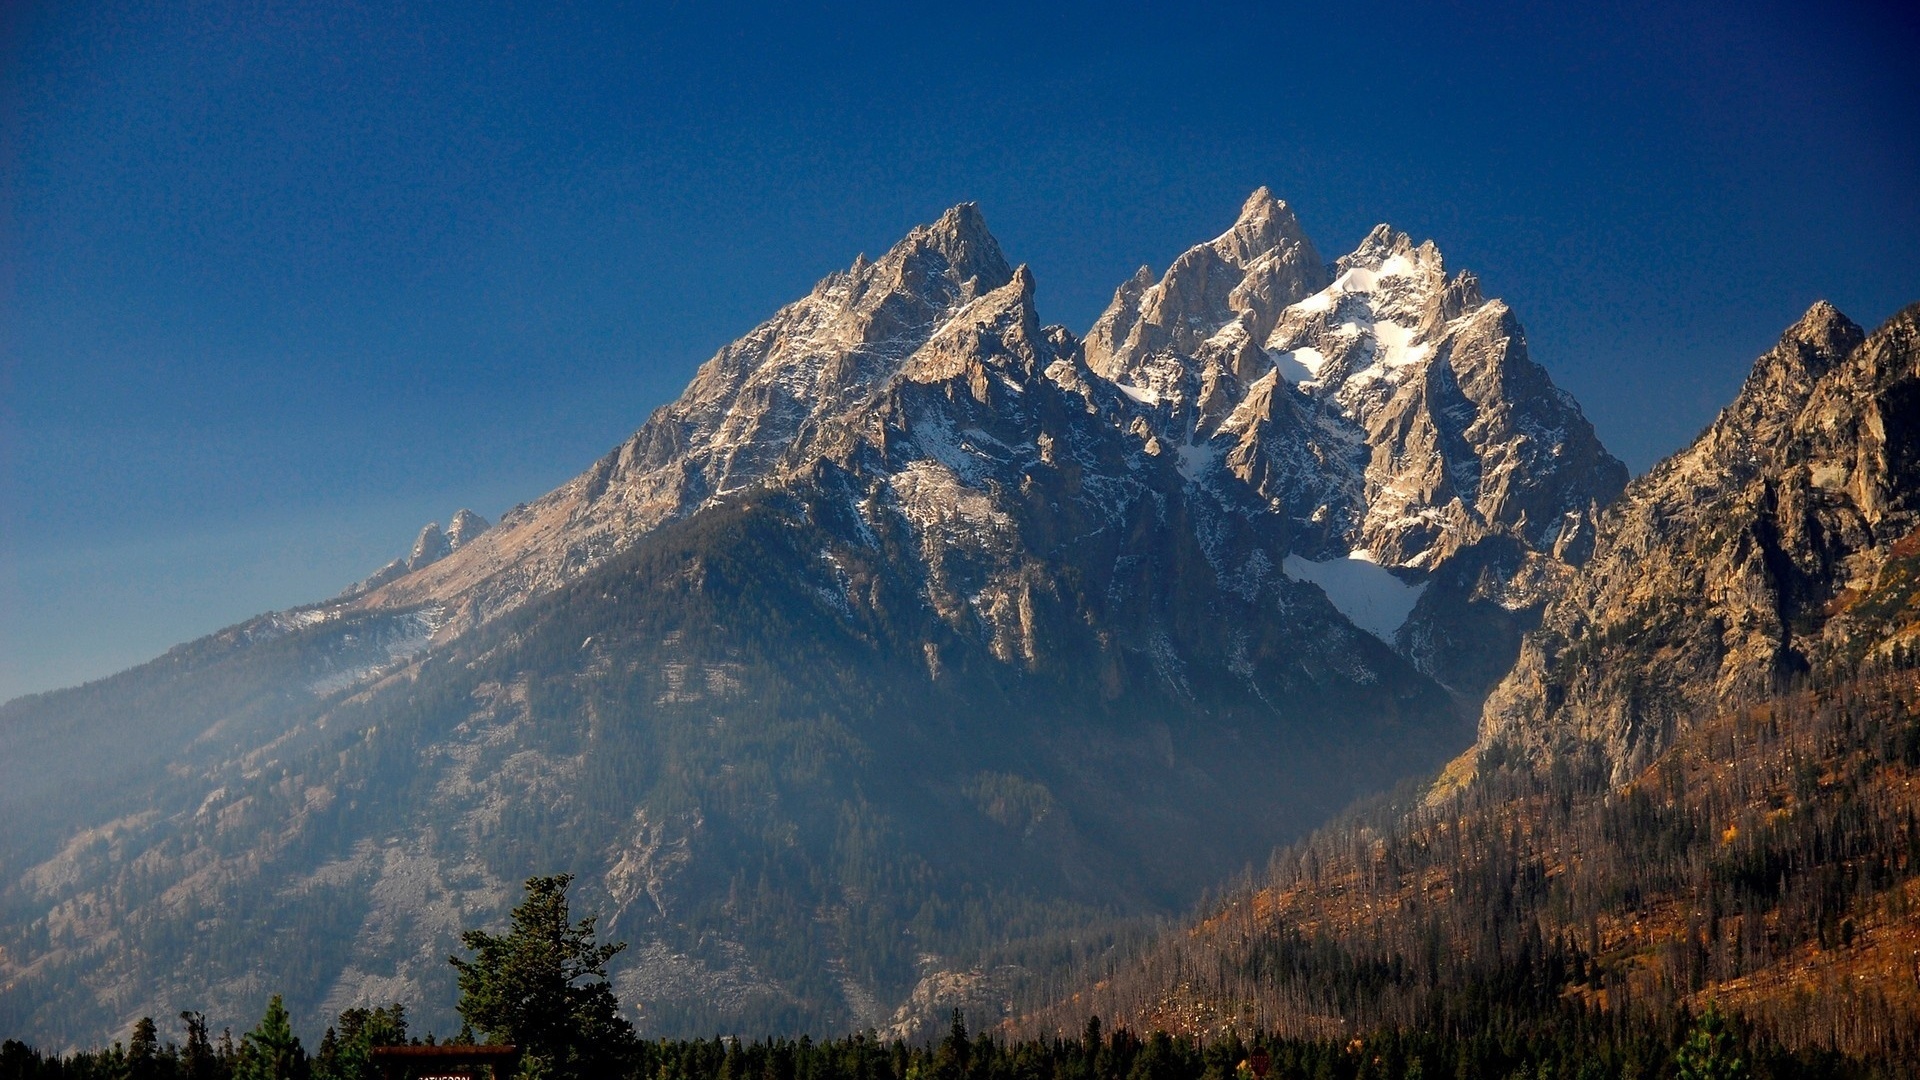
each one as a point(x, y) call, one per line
point(271, 1051)
point(1596, 1048)
point(1769, 860)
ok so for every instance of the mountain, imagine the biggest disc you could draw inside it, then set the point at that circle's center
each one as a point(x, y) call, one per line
point(1699, 784)
point(432, 545)
point(905, 657)
point(1738, 564)
point(1385, 410)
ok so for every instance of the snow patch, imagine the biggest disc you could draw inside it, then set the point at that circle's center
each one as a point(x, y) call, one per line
point(1364, 591)
point(1397, 266)
point(1358, 279)
point(1195, 460)
point(1320, 301)
point(1399, 347)
point(1300, 365)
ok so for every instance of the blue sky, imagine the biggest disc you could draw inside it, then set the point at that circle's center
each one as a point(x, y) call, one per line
point(282, 282)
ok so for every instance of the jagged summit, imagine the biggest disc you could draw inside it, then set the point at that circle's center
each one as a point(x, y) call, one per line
point(1244, 275)
point(430, 547)
point(1807, 350)
point(1737, 562)
point(1386, 409)
point(747, 416)
point(1377, 406)
point(1777, 388)
point(962, 237)
point(1265, 225)
point(861, 599)
point(464, 527)
point(997, 332)
point(1780, 380)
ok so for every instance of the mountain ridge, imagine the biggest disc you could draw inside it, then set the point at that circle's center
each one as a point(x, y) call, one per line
point(1695, 787)
point(1730, 553)
point(901, 579)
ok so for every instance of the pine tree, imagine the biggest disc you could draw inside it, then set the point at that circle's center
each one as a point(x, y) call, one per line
point(326, 1060)
point(143, 1050)
point(543, 986)
point(950, 1061)
point(198, 1057)
point(272, 1051)
point(1709, 1052)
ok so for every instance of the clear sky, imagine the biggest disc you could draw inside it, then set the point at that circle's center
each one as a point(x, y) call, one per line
point(281, 282)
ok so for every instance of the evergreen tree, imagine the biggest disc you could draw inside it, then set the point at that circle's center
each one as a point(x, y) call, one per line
point(543, 987)
point(326, 1060)
point(950, 1062)
point(198, 1058)
point(1709, 1052)
point(272, 1051)
point(143, 1050)
point(346, 1052)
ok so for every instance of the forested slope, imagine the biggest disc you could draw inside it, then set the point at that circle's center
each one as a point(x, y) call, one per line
point(1701, 783)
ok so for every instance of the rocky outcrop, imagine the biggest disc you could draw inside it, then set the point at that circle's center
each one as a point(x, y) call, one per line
point(1738, 563)
point(430, 547)
point(464, 527)
point(1383, 409)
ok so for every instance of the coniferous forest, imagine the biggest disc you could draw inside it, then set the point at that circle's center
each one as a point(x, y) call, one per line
point(1768, 863)
point(1573, 1046)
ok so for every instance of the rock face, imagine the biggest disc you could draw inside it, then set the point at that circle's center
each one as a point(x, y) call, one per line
point(1383, 409)
point(463, 528)
point(750, 413)
point(429, 548)
point(1739, 562)
point(912, 630)
point(1380, 411)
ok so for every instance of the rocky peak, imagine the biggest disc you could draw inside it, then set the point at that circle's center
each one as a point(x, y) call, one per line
point(1385, 279)
point(999, 332)
point(1854, 459)
point(1737, 562)
point(751, 412)
point(464, 528)
point(1825, 326)
point(1745, 436)
point(1468, 437)
point(430, 547)
point(1265, 225)
point(1782, 379)
point(1245, 275)
point(961, 237)
point(1381, 243)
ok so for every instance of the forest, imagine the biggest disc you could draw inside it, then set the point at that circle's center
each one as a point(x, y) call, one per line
point(1767, 863)
point(1589, 1046)
point(541, 987)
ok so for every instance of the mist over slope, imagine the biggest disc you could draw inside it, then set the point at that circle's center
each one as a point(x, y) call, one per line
point(913, 645)
point(1699, 784)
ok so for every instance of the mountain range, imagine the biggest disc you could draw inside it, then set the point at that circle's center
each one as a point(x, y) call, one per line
point(920, 652)
point(1697, 786)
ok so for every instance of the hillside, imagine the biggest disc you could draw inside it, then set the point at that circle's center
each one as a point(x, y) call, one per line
point(1700, 784)
point(917, 649)
point(1768, 861)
